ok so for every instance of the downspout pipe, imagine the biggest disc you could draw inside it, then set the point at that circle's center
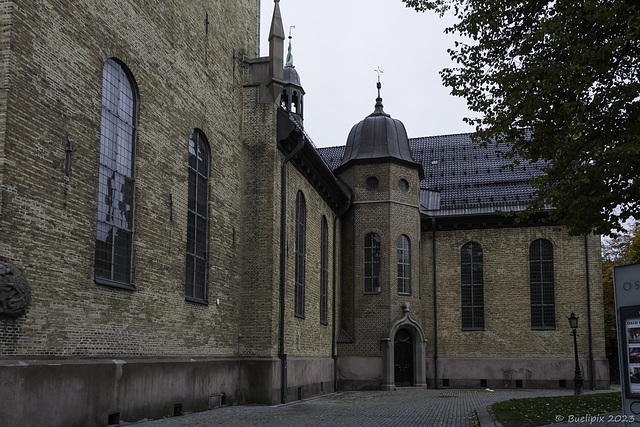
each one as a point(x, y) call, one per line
point(435, 304)
point(283, 264)
point(591, 363)
point(257, 28)
point(334, 354)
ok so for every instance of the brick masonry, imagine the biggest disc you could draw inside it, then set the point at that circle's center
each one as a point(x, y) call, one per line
point(144, 342)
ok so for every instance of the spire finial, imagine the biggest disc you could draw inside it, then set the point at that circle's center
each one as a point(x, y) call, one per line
point(289, 55)
point(379, 71)
point(378, 110)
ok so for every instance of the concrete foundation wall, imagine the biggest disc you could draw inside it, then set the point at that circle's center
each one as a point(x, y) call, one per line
point(88, 392)
point(515, 373)
point(308, 377)
point(360, 373)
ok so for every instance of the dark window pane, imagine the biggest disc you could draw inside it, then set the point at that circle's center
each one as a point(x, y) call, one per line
point(114, 231)
point(197, 217)
point(472, 289)
point(324, 268)
point(542, 284)
point(404, 265)
point(372, 263)
point(300, 254)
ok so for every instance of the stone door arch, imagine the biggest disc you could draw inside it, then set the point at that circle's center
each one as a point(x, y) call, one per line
point(419, 344)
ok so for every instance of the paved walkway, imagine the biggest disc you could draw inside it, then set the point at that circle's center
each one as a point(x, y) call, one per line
point(403, 407)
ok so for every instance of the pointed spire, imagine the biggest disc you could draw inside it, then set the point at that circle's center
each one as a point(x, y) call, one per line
point(289, 55)
point(378, 108)
point(276, 53)
point(277, 30)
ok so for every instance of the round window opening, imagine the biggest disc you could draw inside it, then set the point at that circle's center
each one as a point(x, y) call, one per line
point(403, 184)
point(372, 183)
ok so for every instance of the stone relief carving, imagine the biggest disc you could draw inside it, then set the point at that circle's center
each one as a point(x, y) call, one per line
point(15, 294)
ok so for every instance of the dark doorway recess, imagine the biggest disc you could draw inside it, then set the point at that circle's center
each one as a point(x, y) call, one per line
point(403, 358)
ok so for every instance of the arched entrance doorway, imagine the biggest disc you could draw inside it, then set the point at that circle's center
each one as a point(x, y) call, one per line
point(404, 354)
point(403, 358)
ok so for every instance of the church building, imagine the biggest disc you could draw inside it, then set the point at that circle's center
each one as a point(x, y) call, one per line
point(172, 241)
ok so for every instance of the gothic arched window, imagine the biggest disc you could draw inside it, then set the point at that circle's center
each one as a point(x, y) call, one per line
point(324, 269)
point(372, 264)
point(404, 265)
point(472, 286)
point(301, 226)
point(114, 231)
point(541, 281)
point(197, 218)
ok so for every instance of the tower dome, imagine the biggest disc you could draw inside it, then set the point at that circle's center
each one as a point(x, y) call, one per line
point(292, 93)
point(378, 137)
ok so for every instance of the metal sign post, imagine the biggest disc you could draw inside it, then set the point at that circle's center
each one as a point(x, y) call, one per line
point(626, 280)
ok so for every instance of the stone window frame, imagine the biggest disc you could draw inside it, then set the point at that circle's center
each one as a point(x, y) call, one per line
point(300, 254)
point(113, 258)
point(542, 285)
point(372, 263)
point(196, 254)
point(404, 264)
point(472, 286)
point(324, 269)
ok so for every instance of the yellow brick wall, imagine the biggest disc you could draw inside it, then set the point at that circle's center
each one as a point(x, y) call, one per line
point(507, 331)
point(185, 79)
point(389, 212)
point(307, 336)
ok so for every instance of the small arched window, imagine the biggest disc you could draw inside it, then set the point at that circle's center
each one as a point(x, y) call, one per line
point(404, 265)
point(301, 225)
point(114, 233)
point(197, 218)
point(372, 264)
point(472, 286)
point(541, 280)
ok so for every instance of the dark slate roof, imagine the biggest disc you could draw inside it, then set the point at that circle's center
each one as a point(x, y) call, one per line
point(380, 137)
point(291, 76)
point(463, 178)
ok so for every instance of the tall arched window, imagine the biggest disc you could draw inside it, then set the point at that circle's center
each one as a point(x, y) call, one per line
point(372, 264)
point(543, 310)
point(197, 218)
point(324, 269)
point(472, 284)
point(301, 226)
point(404, 265)
point(114, 233)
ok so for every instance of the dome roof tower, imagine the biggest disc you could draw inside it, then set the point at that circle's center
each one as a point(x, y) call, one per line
point(292, 92)
point(377, 138)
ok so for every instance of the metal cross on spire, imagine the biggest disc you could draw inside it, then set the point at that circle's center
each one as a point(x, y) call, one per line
point(379, 71)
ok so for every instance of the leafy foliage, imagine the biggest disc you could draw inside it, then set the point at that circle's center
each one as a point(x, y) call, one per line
point(568, 72)
point(548, 410)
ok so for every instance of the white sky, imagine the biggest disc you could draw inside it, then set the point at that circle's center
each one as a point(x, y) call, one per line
point(337, 45)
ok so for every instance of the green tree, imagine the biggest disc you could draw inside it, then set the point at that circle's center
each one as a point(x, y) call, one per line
point(559, 80)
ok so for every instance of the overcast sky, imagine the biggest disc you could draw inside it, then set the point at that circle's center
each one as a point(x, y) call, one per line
point(337, 45)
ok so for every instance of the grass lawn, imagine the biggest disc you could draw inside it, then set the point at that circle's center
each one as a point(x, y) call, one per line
point(548, 410)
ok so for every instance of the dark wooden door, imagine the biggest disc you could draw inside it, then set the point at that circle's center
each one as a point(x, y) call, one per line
point(403, 358)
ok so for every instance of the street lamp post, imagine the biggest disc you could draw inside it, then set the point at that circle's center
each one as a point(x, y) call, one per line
point(577, 379)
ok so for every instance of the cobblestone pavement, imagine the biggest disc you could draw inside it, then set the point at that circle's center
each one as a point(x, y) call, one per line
point(403, 407)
